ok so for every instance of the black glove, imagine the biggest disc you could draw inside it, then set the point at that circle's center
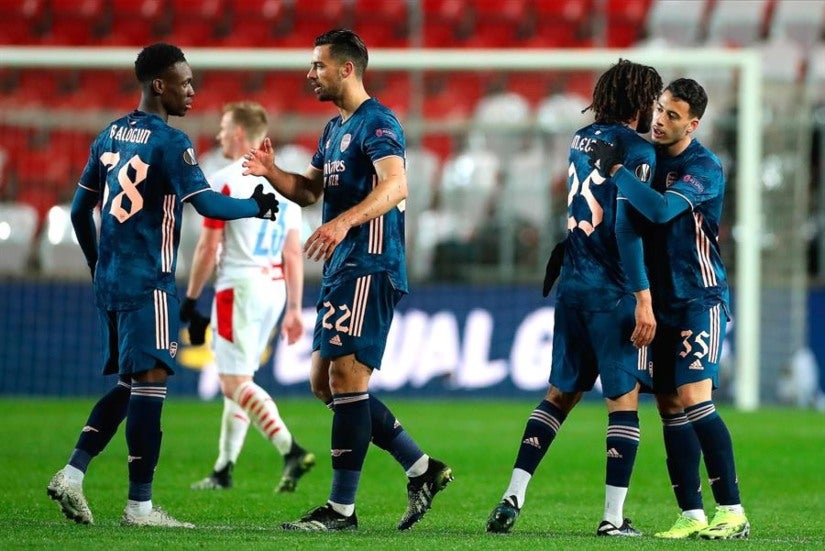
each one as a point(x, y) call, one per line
point(92, 270)
point(197, 328)
point(604, 155)
point(553, 269)
point(197, 321)
point(267, 203)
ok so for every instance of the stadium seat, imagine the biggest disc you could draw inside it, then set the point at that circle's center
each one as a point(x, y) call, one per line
point(736, 23)
point(500, 124)
point(138, 22)
point(382, 24)
point(59, 254)
point(677, 22)
point(562, 24)
point(624, 22)
point(782, 61)
point(526, 193)
point(468, 182)
point(801, 21)
point(422, 173)
point(447, 23)
point(22, 22)
point(18, 226)
point(815, 75)
point(75, 22)
point(200, 22)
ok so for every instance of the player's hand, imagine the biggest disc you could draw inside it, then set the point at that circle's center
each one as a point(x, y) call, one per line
point(258, 161)
point(293, 326)
point(604, 156)
point(553, 268)
point(645, 328)
point(321, 244)
point(267, 203)
point(197, 328)
point(197, 321)
point(92, 270)
point(188, 308)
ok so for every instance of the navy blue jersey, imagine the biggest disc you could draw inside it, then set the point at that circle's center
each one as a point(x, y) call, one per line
point(684, 263)
point(144, 169)
point(592, 276)
point(346, 153)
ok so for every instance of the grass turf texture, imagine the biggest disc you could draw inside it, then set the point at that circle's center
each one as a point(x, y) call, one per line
point(779, 457)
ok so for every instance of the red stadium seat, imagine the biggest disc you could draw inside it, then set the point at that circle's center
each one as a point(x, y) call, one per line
point(76, 22)
point(625, 22)
point(257, 23)
point(562, 24)
point(382, 24)
point(200, 23)
point(138, 22)
point(22, 22)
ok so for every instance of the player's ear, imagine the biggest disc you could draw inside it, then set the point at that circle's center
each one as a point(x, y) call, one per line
point(694, 124)
point(347, 69)
point(158, 85)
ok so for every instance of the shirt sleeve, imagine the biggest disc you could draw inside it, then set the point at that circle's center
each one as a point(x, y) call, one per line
point(184, 174)
point(384, 138)
point(702, 182)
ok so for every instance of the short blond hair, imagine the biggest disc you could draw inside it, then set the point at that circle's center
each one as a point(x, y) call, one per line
point(251, 116)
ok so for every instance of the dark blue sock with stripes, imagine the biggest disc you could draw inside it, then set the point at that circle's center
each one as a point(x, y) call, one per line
point(101, 426)
point(143, 437)
point(542, 426)
point(683, 454)
point(351, 431)
point(622, 443)
point(388, 434)
point(717, 449)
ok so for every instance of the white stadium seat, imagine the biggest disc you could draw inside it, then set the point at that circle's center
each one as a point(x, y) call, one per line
point(59, 253)
point(18, 225)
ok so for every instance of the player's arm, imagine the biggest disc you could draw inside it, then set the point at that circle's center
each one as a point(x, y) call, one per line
point(390, 190)
point(656, 207)
point(222, 207)
point(303, 189)
point(631, 252)
point(83, 222)
point(292, 326)
point(203, 260)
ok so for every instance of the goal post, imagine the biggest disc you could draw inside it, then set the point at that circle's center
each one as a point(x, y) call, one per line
point(745, 63)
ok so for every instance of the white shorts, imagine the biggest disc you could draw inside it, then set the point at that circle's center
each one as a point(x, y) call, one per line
point(244, 313)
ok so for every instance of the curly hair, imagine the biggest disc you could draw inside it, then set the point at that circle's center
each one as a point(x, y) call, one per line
point(154, 60)
point(624, 90)
point(691, 92)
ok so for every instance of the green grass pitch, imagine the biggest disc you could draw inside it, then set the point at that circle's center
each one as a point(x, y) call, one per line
point(780, 460)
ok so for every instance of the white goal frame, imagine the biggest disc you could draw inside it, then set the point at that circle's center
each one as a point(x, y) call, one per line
point(749, 129)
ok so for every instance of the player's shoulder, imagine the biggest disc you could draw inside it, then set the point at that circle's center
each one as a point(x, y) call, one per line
point(374, 111)
point(697, 153)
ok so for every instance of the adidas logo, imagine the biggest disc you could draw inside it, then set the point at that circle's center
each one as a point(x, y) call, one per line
point(336, 340)
point(612, 453)
point(133, 458)
point(696, 365)
point(532, 441)
point(89, 428)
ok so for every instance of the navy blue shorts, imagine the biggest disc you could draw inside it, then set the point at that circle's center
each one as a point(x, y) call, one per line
point(588, 344)
point(689, 352)
point(354, 317)
point(138, 340)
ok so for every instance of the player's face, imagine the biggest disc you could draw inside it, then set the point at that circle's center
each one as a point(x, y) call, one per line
point(226, 136)
point(178, 92)
point(672, 121)
point(325, 75)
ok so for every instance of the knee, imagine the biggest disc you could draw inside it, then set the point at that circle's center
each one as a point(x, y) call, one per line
point(321, 391)
point(565, 401)
point(668, 404)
